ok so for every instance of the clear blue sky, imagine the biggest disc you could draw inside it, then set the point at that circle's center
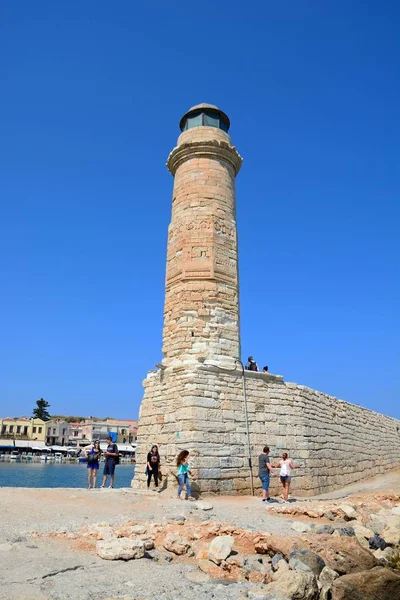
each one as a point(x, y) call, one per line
point(91, 94)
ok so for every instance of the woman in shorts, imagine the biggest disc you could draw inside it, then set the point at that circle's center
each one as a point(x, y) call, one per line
point(285, 465)
point(93, 457)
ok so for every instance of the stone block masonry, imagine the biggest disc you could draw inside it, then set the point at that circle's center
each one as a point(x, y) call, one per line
point(202, 409)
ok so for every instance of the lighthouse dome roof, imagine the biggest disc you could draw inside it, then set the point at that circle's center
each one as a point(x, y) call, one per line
point(204, 114)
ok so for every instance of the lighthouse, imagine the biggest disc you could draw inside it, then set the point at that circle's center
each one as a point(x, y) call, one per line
point(201, 312)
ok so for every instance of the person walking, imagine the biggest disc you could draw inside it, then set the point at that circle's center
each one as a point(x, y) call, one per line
point(264, 472)
point(153, 465)
point(112, 459)
point(93, 457)
point(285, 465)
point(182, 462)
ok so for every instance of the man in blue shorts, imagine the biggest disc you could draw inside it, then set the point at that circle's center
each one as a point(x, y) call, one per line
point(264, 470)
point(111, 455)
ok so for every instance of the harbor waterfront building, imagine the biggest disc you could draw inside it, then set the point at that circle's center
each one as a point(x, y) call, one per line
point(123, 431)
point(23, 428)
point(200, 398)
point(57, 432)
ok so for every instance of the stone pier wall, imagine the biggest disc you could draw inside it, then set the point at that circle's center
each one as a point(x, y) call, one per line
point(202, 409)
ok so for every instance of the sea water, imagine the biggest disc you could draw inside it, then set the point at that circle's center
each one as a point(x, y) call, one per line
point(54, 475)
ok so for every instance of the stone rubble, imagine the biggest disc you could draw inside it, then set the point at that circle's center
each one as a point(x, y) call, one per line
point(322, 562)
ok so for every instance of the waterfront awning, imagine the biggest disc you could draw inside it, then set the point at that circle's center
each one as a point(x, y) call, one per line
point(41, 446)
point(59, 448)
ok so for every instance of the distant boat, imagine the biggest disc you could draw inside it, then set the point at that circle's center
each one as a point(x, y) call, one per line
point(15, 455)
point(43, 458)
point(58, 456)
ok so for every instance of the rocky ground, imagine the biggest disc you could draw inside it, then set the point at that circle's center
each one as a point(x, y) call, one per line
point(58, 544)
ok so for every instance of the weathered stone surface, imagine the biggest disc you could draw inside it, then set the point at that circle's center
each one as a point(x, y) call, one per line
point(220, 548)
point(280, 568)
point(102, 531)
point(344, 531)
point(203, 505)
point(138, 529)
point(275, 560)
point(310, 560)
point(391, 536)
point(300, 527)
point(377, 584)
point(324, 530)
point(258, 593)
point(349, 511)
point(176, 544)
point(276, 544)
point(296, 585)
point(377, 542)
point(120, 549)
point(327, 576)
point(343, 554)
point(360, 530)
point(197, 576)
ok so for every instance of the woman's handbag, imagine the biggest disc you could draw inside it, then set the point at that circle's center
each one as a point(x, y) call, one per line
point(92, 457)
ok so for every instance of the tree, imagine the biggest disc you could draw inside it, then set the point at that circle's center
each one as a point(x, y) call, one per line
point(41, 412)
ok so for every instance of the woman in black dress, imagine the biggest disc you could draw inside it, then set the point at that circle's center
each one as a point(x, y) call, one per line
point(153, 465)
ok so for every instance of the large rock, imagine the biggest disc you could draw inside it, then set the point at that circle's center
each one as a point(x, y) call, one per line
point(377, 542)
point(273, 544)
point(281, 567)
point(138, 529)
point(220, 548)
point(300, 527)
point(349, 511)
point(324, 530)
point(327, 576)
point(203, 505)
point(295, 585)
point(379, 583)
point(102, 531)
point(120, 549)
point(360, 530)
point(345, 531)
point(304, 560)
point(326, 579)
point(391, 535)
point(275, 560)
point(176, 544)
point(343, 554)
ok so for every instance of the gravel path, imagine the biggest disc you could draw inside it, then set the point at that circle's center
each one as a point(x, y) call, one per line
point(49, 510)
point(46, 568)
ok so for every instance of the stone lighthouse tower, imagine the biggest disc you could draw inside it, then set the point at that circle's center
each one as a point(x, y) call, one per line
point(201, 311)
point(201, 315)
point(201, 398)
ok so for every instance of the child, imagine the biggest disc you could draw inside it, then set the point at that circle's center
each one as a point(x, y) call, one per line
point(183, 474)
